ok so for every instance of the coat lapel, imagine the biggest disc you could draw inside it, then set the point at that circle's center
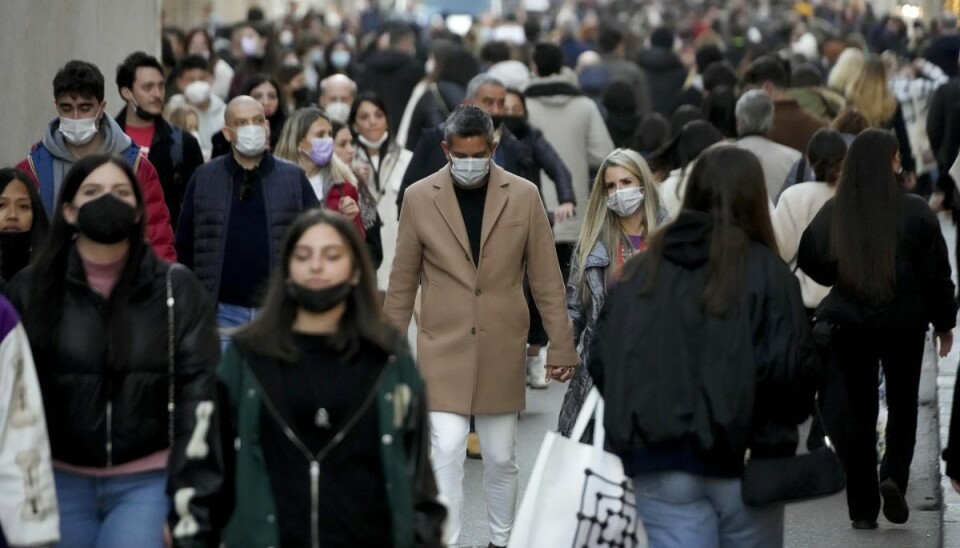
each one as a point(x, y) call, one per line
point(496, 201)
point(446, 202)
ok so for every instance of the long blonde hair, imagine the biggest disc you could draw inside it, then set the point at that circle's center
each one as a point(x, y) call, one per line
point(846, 68)
point(870, 93)
point(602, 225)
point(295, 129)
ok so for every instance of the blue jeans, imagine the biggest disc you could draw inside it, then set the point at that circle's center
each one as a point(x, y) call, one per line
point(682, 510)
point(114, 512)
point(231, 315)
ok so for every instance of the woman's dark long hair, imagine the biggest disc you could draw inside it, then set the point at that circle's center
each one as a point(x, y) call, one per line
point(40, 226)
point(825, 154)
point(727, 185)
point(49, 268)
point(280, 116)
point(865, 218)
point(270, 334)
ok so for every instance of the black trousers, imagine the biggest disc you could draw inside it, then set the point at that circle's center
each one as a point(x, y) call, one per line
point(537, 334)
point(851, 409)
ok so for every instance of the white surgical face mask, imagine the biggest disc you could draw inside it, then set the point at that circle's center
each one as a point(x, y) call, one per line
point(625, 201)
point(251, 140)
point(469, 172)
point(197, 93)
point(79, 132)
point(375, 145)
point(338, 111)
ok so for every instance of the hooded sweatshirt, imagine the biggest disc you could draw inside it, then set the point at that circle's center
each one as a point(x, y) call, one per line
point(572, 124)
point(116, 142)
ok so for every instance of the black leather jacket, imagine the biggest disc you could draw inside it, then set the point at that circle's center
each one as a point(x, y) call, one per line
point(102, 412)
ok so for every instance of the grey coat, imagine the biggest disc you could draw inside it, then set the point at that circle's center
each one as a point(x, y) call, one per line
point(583, 321)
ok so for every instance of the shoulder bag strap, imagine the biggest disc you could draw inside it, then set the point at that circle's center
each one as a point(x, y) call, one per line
point(171, 352)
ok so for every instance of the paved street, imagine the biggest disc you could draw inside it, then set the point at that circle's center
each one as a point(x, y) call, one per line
point(821, 523)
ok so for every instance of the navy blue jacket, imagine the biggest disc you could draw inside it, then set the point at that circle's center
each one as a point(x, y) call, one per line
point(201, 232)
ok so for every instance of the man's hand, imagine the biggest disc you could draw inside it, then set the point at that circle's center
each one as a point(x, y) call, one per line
point(562, 374)
point(563, 212)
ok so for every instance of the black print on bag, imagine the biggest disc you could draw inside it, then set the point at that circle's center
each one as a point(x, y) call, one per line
point(608, 514)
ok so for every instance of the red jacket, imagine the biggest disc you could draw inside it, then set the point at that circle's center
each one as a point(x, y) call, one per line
point(159, 230)
point(332, 201)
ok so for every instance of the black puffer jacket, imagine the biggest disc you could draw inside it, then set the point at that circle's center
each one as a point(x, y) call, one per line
point(103, 412)
point(665, 75)
point(675, 379)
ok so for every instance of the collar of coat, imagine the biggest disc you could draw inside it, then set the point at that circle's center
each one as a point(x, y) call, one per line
point(445, 200)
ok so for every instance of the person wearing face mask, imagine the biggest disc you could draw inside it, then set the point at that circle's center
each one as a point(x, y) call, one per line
point(489, 93)
point(337, 451)
point(307, 140)
point(236, 211)
point(467, 235)
point(194, 81)
point(337, 93)
point(623, 210)
point(173, 152)
point(338, 58)
point(380, 164)
point(83, 128)
point(199, 43)
point(23, 222)
point(294, 92)
point(126, 345)
point(393, 72)
point(256, 52)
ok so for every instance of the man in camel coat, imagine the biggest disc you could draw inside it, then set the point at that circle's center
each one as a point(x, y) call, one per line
point(467, 235)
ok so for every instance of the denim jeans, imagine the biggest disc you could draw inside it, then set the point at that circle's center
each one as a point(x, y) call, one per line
point(114, 512)
point(231, 316)
point(682, 510)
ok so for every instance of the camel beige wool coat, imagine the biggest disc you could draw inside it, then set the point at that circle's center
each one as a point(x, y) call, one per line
point(471, 344)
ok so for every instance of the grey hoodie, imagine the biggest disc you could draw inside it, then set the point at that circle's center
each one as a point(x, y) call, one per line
point(115, 141)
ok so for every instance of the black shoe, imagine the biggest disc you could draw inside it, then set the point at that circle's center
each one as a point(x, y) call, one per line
point(894, 504)
point(492, 545)
point(864, 524)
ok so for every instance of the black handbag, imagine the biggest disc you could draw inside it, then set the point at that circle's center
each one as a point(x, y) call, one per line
point(795, 478)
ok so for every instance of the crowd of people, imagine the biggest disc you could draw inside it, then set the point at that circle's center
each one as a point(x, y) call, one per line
point(312, 264)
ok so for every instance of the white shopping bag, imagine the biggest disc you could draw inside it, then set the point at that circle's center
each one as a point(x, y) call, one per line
point(578, 495)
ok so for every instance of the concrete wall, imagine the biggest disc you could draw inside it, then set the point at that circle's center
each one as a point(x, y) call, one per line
point(37, 37)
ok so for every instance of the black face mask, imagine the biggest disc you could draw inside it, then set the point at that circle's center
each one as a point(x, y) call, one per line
point(301, 96)
point(497, 120)
point(106, 220)
point(14, 252)
point(516, 124)
point(318, 300)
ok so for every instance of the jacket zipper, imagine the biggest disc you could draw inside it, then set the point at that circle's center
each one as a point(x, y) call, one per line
point(109, 433)
point(315, 459)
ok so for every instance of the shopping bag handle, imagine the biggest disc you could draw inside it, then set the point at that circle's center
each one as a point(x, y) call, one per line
point(592, 408)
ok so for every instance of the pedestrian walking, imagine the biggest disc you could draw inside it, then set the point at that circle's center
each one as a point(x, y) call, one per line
point(882, 252)
point(23, 222)
point(702, 352)
point(331, 414)
point(125, 346)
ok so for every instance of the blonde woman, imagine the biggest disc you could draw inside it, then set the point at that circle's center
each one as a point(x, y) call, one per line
point(623, 209)
point(846, 68)
point(307, 140)
point(869, 92)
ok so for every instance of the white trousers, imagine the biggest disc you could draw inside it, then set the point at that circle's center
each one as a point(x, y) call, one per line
point(501, 475)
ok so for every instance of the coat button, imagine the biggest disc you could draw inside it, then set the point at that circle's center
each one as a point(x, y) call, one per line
point(271, 518)
point(479, 292)
point(387, 439)
point(252, 393)
point(473, 330)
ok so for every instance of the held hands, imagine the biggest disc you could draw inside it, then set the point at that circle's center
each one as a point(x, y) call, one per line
point(562, 374)
point(563, 212)
point(946, 342)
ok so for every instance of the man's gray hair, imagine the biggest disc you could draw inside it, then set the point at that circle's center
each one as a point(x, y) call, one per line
point(480, 80)
point(468, 121)
point(335, 77)
point(754, 113)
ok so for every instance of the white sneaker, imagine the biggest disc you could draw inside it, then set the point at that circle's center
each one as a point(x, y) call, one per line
point(537, 371)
